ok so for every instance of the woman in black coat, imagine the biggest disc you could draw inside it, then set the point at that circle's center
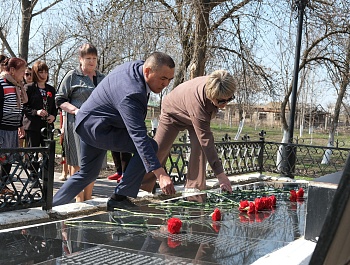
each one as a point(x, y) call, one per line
point(40, 111)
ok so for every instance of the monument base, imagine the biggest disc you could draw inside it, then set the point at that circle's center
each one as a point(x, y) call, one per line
point(320, 196)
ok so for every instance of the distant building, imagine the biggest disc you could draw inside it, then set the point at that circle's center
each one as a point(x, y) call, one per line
point(270, 115)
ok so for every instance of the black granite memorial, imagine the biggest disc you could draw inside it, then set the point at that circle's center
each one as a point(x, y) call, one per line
point(140, 235)
point(333, 246)
point(321, 193)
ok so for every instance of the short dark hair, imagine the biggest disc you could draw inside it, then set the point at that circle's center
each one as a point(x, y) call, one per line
point(2, 58)
point(86, 49)
point(158, 59)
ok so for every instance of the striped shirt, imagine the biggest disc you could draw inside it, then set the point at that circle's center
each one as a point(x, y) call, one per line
point(10, 115)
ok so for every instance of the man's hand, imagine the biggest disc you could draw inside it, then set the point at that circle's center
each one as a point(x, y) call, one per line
point(225, 183)
point(165, 182)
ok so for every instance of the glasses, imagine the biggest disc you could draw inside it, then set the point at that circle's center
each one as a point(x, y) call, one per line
point(28, 74)
point(224, 101)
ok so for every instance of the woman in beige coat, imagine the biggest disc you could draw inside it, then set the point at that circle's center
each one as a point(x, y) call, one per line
point(192, 105)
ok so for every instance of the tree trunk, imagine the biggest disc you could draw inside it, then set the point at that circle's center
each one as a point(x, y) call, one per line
point(201, 36)
point(25, 28)
point(280, 152)
point(334, 125)
point(185, 62)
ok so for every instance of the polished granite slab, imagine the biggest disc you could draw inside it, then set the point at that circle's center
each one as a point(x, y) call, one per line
point(139, 235)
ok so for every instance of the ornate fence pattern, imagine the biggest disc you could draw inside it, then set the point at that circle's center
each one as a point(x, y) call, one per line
point(260, 156)
point(308, 160)
point(29, 182)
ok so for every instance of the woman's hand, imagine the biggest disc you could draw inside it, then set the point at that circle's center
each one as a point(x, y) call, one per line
point(50, 119)
point(225, 183)
point(41, 113)
point(21, 132)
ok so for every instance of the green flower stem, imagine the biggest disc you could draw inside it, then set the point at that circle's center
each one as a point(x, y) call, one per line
point(140, 214)
point(143, 225)
point(155, 215)
point(222, 196)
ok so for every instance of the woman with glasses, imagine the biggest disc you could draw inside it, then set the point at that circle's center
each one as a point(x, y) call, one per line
point(28, 75)
point(191, 106)
point(27, 79)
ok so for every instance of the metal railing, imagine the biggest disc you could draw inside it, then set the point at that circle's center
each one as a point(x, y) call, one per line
point(27, 176)
point(247, 156)
point(31, 176)
point(308, 161)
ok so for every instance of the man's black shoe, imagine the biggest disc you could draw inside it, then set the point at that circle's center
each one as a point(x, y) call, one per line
point(120, 203)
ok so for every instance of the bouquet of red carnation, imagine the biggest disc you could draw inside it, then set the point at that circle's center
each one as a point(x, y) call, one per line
point(174, 225)
point(259, 204)
point(216, 215)
point(296, 195)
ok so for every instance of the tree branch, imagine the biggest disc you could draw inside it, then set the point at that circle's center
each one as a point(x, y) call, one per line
point(228, 14)
point(45, 8)
point(7, 45)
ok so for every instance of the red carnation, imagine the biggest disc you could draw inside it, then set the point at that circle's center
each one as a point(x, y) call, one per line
point(49, 94)
point(300, 193)
point(293, 196)
point(268, 203)
point(174, 225)
point(273, 200)
point(259, 204)
point(216, 215)
point(251, 207)
point(2, 159)
point(243, 206)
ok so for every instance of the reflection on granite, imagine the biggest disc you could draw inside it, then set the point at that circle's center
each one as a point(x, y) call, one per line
point(141, 237)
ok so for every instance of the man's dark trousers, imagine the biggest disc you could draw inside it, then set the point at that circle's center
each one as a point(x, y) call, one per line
point(91, 163)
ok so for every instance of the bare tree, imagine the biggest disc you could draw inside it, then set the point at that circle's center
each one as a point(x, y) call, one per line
point(319, 47)
point(342, 79)
point(27, 10)
point(197, 23)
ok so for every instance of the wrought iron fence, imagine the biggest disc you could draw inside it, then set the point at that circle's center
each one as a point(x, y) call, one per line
point(29, 181)
point(308, 161)
point(260, 156)
point(27, 176)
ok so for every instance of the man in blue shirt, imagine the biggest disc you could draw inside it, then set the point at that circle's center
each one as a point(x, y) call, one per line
point(113, 119)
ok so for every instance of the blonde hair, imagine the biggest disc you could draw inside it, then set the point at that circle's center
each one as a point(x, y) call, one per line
point(220, 84)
